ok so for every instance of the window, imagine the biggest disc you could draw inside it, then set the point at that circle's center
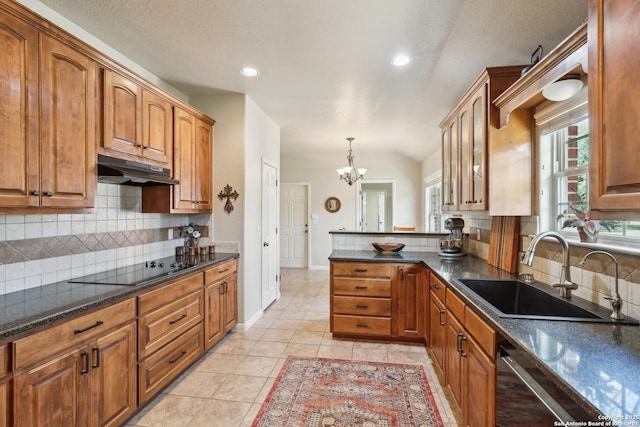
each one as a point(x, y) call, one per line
point(564, 171)
point(433, 220)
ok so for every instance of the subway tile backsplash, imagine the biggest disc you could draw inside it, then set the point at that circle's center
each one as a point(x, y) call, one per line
point(37, 249)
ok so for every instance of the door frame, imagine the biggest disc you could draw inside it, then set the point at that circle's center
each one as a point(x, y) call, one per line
point(357, 199)
point(308, 218)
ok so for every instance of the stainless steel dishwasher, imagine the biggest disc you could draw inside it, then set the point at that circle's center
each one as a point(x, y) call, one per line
point(526, 396)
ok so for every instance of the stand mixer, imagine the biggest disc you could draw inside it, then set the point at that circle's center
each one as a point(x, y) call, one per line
point(452, 245)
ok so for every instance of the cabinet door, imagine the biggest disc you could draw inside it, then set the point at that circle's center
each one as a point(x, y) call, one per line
point(67, 126)
point(213, 310)
point(157, 129)
point(454, 365)
point(19, 167)
point(465, 156)
point(478, 155)
point(122, 114)
point(230, 310)
point(614, 176)
point(55, 393)
point(451, 160)
point(3, 405)
point(410, 306)
point(480, 387)
point(114, 377)
point(203, 162)
point(183, 149)
point(437, 331)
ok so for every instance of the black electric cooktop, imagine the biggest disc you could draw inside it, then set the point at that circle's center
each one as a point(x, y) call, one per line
point(137, 273)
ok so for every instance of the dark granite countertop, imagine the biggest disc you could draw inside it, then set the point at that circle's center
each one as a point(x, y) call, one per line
point(598, 364)
point(28, 309)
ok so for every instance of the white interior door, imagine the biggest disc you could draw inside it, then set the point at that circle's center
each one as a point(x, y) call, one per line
point(269, 234)
point(294, 226)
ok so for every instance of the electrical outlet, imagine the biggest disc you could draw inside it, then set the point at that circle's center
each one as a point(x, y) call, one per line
point(170, 234)
point(389, 239)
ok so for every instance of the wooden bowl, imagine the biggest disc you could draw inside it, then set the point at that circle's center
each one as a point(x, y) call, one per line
point(388, 248)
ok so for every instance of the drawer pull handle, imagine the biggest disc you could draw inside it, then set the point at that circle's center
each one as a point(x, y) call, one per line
point(362, 325)
point(178, 319)
point(79, 331)
point(362, 306)
point(361, 270)
point(223, 271)
point(182, 353)
point(362, 287)
point(96, 352)
point(440, 318)
point(435, 286)
point(85, 368)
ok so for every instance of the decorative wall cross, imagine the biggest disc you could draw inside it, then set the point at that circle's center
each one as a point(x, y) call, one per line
point(228, 193)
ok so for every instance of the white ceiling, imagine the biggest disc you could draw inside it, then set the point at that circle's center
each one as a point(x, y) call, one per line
point(325, 71)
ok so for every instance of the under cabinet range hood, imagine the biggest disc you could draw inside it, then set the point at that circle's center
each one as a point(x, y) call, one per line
point(125, 172)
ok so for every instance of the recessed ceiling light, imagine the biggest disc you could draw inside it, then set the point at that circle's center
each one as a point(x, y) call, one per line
point(401, 60)
point(249, 72)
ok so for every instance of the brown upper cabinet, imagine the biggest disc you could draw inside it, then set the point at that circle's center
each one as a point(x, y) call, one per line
point(466, 134)
point(192, 166)
point(47, 120)
point(138, 123)
point(614, 109)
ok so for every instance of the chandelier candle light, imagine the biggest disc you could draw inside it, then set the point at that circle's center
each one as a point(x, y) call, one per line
point(349, 173)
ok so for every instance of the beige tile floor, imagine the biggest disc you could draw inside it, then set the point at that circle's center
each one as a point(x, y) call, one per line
point(227, 386)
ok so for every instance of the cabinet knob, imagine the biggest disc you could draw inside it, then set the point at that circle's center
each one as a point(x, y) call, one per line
point(435, 286)
point(35, 193)
point(48, 193)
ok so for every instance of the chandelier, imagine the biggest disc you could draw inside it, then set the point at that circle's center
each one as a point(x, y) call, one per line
point(349, 173)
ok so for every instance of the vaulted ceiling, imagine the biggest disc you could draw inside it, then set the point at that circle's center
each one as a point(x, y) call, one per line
point(325, 65)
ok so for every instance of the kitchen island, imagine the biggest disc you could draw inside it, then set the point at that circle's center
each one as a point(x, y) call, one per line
point(597, 364)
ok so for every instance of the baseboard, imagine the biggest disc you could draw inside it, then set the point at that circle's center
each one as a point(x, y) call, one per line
point(249, 323)
point(319, 267)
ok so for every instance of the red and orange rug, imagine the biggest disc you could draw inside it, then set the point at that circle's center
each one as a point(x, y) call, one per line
point(314, 392)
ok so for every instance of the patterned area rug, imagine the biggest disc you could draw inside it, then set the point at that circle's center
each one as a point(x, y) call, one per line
point(313, 392)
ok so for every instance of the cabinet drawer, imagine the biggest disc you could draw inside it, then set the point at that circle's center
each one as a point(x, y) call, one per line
point(455, 305)
point(362, 287)
point(161, 326)
point(219, 271)
point(4, 360)
point(484, 335)
point(361, 269)
point(158, 370)
point(438, 287)
point(47, 343)
point(362, 306)
point(167, 294)
point(361, 325)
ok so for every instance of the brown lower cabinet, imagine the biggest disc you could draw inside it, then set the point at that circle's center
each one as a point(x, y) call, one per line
point(220, 301)
point(79, 373)
point(470, 368)
point(97, 369)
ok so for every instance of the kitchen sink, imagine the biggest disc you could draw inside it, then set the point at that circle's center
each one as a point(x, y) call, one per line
point(520, 300)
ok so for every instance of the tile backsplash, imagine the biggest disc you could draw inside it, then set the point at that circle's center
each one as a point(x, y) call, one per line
point(37, 250)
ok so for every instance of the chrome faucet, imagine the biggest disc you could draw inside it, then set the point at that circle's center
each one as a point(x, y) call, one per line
point(565, 284)
point(616, 301)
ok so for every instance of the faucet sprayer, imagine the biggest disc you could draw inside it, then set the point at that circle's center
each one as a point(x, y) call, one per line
point(616, 301)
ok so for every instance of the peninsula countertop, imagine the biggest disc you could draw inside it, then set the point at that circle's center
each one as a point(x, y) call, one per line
point(597, 363)
point(25, 310)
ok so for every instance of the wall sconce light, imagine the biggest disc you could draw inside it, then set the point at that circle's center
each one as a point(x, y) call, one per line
point(564, 88)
